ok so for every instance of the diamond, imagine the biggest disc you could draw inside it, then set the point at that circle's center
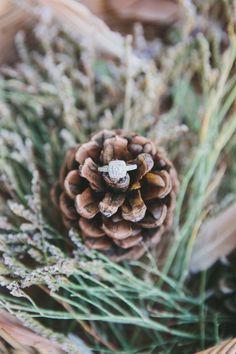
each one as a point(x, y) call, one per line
point(117, 169)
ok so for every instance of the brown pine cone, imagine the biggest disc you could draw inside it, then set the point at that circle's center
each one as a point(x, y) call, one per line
point(124, 217)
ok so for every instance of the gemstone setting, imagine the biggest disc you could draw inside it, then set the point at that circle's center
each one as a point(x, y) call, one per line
point(117, 169)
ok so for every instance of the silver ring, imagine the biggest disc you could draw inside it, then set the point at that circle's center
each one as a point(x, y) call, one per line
point(117, 169)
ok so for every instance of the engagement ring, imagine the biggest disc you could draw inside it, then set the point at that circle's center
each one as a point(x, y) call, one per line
point(117, 169)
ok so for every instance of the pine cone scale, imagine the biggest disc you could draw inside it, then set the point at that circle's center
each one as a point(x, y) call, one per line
point(67, 207)
point(115, 148)
point(154, 179)
point(121, 186)
point(151, 221)
point(117, 230)
point(89, 171)
point(88, 150)
point(134, 208)
point(145, 164)
point(101, 244)
point(111, 203)
point(86, 204)
point(128, 242)
point(91, 228)
point(73, 184)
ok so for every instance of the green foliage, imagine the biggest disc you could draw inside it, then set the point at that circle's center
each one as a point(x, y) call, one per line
point(55, 96)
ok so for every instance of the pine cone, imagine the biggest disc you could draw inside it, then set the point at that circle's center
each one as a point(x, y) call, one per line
point(124, 217)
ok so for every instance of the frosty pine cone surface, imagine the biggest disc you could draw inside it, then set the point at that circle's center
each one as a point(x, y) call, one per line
point(124, 217)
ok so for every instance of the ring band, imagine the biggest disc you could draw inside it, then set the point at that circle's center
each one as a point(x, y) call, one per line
point(117, 169)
